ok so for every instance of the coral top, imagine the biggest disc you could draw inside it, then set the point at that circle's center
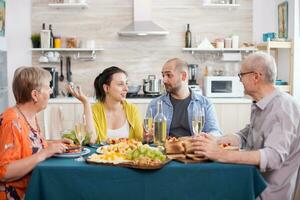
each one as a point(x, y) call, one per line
point(17, 141)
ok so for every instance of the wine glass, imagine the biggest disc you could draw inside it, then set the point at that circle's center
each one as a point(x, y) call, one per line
point(80, 131)
point(198, 119)
point(148, 122)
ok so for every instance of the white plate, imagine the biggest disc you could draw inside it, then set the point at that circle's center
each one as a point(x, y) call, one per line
point(99, 150)
point(73, 155)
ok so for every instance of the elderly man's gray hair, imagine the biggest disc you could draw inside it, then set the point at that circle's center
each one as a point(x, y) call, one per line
point(263, 62)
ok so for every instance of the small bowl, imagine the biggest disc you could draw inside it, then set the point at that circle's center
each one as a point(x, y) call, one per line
point(134, 89)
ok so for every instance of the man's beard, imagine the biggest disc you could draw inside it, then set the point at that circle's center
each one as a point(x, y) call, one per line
point(173, 90)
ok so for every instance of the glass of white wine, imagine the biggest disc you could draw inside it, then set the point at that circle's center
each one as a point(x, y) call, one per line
point(80, 131)
point(148, 123)
point(198, 119)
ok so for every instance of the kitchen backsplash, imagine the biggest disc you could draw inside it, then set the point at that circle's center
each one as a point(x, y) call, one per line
point(139, 56)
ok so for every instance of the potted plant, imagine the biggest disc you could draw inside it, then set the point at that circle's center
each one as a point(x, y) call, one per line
point(36, 40)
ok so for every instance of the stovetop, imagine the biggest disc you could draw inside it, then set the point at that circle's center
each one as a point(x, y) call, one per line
point(142, 96)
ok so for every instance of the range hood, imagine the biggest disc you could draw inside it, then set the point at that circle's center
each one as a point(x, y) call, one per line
point(142, 24)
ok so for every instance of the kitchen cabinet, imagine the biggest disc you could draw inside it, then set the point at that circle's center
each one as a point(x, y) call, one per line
point(68, 5)
point(57, 118)
point(61, 114)
point(276, 46)
point(233, 117)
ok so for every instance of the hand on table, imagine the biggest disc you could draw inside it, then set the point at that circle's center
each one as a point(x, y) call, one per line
point(207, 145)
point(63, 140)
point(53, 148)
point(66, 141)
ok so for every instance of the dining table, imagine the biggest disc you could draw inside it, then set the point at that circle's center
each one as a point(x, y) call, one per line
point(66, 178)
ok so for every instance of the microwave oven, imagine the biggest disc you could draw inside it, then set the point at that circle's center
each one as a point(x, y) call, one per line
point(223, 86)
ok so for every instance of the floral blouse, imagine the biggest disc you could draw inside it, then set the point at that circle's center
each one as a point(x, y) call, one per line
point(17, 141)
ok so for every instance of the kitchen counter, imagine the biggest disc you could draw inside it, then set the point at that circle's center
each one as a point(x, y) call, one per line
point(61, 113)
point(72, 100)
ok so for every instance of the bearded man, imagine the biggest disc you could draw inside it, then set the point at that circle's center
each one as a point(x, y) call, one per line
point(180, 102)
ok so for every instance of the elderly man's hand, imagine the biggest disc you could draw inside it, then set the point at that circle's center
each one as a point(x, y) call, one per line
point(207, 145)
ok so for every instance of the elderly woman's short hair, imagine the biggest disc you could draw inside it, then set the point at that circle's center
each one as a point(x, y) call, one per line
point(27, 79)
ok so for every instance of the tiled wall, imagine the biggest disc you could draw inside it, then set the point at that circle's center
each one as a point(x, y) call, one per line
point(140, 56)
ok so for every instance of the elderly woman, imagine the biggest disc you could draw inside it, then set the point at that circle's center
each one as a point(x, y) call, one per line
point(111, 116)
point(22, 145)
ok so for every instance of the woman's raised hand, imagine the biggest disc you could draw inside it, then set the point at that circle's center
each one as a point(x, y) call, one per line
point(77, 93)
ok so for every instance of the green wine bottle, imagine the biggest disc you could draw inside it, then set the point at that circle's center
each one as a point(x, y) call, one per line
point(188, 37)
point(160, 126)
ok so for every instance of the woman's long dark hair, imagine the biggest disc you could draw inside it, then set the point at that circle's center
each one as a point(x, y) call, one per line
point(105, 78)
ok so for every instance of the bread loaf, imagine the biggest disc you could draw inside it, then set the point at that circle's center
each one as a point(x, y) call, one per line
point(174, 146)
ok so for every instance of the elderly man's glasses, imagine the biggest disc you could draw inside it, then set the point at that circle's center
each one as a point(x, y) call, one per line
point(244, 73)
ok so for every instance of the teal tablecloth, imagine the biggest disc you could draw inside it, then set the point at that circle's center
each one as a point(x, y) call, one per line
point(60, 178)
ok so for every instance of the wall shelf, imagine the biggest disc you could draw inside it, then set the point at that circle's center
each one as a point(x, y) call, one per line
point(68, 5)
point(193, 50)
point(67, 49)
point(275, 46)
point(75, 56)
point(284, 88)
point(217, 5)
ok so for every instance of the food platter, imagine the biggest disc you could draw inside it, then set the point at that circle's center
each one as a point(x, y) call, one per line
point(129, 153)
point(85, 151)
point(130, 164)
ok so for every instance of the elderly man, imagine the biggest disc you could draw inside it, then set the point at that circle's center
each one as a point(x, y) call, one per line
point(271, 141)
point(179, 102)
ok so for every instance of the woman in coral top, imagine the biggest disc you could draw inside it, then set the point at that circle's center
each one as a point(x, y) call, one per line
point(22, 146)
point(111, 116)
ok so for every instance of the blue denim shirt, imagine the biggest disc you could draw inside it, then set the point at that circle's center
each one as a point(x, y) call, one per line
point(211, 123)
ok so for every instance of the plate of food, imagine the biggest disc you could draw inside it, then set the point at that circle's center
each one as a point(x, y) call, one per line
point(142, 163)
point(72, 148)
point(133, 156)
point(122, 146)
point(116, 140)
point(73, 154)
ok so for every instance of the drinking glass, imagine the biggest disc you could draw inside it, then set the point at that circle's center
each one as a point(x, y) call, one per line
point(198, 119)
point(148, 122)
point(80, 131)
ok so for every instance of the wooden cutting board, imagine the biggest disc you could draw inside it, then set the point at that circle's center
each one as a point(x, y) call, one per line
point(187, 158)
point(188, 161)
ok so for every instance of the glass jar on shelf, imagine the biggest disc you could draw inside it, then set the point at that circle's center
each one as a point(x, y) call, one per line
point(71, 42)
